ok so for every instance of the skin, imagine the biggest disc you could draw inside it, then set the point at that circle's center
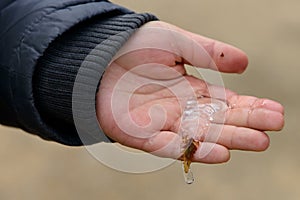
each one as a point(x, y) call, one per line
point(245, 123)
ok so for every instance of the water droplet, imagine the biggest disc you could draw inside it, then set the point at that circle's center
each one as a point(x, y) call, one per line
point(188, 177)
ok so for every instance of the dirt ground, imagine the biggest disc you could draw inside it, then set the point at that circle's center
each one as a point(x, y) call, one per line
point(269, 32)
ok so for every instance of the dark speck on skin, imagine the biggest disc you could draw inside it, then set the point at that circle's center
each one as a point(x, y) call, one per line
point(222, 55)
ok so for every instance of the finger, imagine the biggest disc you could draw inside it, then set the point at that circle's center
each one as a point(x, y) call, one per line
point(233, 137)
point(245, 111)
point(168, 144)
point(239, 101)
point(261, 119)
point(237, 138)
point(255, 113)
point(226, 57)
point(211, 153)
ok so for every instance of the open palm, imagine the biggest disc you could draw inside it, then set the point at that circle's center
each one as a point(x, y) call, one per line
point(143, 93)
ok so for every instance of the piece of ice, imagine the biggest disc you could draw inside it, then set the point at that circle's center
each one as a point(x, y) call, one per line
point(195, 120)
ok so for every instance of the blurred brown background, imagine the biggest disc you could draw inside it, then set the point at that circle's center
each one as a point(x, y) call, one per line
point(269, 32)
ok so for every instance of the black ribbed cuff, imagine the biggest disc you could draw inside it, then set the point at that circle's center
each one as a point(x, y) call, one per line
point(57, 69)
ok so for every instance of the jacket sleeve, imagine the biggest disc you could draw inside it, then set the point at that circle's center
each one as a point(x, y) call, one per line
point(46, 47)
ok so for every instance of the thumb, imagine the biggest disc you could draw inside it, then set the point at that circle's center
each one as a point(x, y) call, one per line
point(204, 52)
